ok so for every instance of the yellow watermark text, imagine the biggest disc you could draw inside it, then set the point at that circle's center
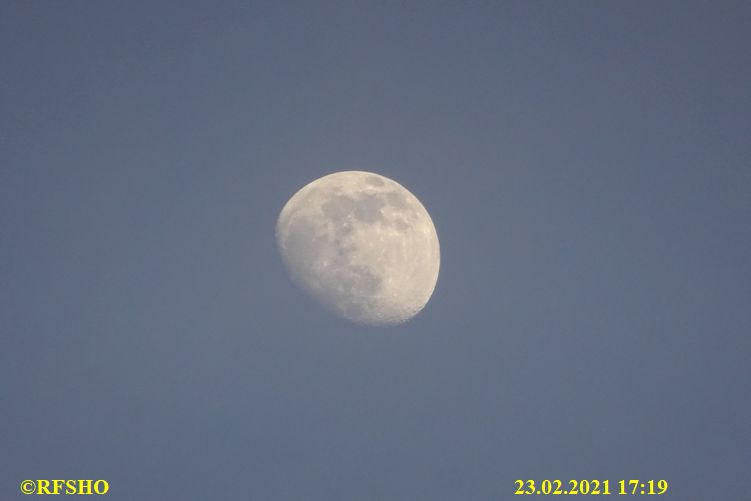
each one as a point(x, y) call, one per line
point(54, 487)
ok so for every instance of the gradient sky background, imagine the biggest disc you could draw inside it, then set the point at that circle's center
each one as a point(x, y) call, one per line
point(587, 166)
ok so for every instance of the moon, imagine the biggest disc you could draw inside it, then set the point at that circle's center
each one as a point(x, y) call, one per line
point(362, 245)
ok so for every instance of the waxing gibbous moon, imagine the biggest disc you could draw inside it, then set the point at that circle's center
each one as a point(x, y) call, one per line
point(362, 245)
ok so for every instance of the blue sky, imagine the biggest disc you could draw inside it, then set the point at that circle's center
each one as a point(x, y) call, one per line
point(586, 166)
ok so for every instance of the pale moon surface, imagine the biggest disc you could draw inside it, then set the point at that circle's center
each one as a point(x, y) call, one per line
point(362, 245)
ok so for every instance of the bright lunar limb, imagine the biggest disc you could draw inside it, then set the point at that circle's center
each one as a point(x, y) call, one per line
point(362, 245)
